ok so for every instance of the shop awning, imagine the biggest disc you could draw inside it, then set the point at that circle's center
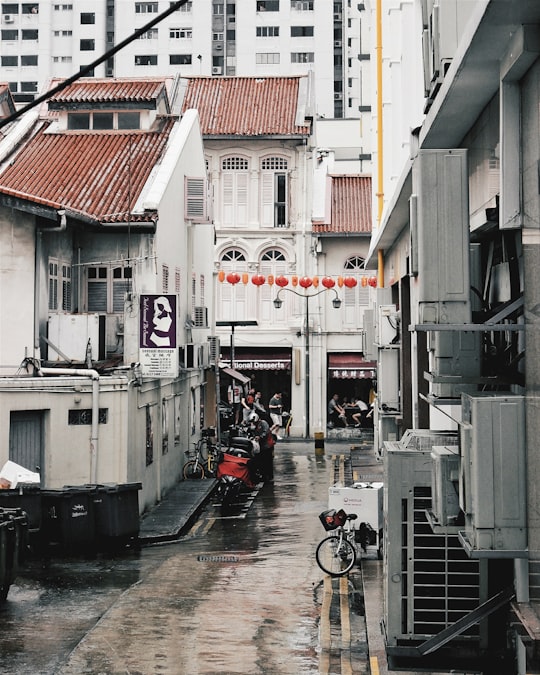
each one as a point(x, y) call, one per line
point(258, 361)
point(231, 372)
point(350, 366)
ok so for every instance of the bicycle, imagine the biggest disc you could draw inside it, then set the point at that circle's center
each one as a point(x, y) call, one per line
point(205, 460)
point(336, 554)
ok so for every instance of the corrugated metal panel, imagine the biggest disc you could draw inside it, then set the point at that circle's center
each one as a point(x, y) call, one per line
point(350, 207)
point(245, 106)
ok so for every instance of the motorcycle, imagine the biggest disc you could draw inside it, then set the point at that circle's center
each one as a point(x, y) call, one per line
point(236, 468)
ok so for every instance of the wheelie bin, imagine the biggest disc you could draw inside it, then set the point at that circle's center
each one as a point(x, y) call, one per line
point(13, 544)
point(116, 509)
point(28, 498)
point(68, 517)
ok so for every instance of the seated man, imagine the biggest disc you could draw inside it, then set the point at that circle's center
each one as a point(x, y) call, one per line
point(360, 415)
point(336, 414)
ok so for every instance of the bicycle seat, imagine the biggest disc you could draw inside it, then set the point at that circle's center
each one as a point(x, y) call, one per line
point(352, 516)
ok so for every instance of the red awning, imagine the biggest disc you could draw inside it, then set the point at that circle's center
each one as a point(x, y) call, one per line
point(350, 366)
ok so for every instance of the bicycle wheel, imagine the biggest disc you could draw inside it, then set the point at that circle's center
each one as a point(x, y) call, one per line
point(193, 469)
point(202, 447)
point(335, 555)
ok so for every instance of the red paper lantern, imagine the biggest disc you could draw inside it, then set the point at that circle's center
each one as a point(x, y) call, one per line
point(364, 281)
point(221, 276)
point(233, 277)
point(258, 279)
point(340, 282)
point(282, 281)
point(245, 278)
point(350, 282)
point(294, 281)
point(316, 282)
point(305, 282)
point(270, 279)
point(328, 282)
point(372, 281)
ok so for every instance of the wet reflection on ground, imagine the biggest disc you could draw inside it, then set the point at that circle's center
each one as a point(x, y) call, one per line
point(236, 595)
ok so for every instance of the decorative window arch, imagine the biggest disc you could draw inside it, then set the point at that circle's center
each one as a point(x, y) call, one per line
point(235, 182)
point(272, 262)
point(274, 191)
point(356, 299)
point(231, 298)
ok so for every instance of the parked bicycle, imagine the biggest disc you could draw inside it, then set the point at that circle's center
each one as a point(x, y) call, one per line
point(337, 553)
point(203, 463)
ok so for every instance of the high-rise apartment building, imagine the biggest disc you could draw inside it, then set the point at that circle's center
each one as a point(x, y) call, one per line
point(47, 39)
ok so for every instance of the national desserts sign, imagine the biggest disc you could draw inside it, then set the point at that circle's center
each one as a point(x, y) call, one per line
point(158, 352)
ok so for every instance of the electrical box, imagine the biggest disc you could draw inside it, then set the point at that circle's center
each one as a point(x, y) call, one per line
point(493, 482)
point(364, 499)
point(388, 379)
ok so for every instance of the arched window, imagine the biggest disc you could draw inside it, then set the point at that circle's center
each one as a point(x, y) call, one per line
point(235, 182)
point(355, 300)
point(272, 262)
point(231, 298)
point(274, 192)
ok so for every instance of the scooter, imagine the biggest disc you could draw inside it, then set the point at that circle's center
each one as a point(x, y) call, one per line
point(235, 469)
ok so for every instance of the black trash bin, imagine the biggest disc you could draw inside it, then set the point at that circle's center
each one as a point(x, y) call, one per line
point(28, 498)
point(13, 545)
point(68, 517)
point(116, 512)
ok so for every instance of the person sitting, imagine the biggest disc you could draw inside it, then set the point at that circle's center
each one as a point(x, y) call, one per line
point(360, 415)
point(336, 414)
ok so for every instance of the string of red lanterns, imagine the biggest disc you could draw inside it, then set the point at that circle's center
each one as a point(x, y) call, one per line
point(305, 282)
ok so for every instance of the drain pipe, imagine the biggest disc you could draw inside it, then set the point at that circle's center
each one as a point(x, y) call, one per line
point(84, 372)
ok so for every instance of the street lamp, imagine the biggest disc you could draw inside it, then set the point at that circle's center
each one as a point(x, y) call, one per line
point(336, 302)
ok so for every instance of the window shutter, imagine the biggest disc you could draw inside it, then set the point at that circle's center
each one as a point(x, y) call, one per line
point(267, 200)
point(196, 200)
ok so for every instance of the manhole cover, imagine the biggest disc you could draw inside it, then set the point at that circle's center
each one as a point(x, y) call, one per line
point(218, 558)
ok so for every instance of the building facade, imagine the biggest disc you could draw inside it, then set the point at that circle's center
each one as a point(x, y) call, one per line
point(456, 251)
point(46, 39)
point(104, 238)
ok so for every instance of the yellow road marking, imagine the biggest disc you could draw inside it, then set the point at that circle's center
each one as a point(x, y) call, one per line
point(325, 612)
point(208, 525)
point(374, 665)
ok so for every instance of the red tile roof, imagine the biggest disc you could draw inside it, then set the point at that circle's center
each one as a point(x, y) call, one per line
point(123, 90)
point(246, 106)
point(350, 208)
point(99, 175)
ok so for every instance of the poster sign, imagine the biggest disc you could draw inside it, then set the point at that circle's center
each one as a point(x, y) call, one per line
point(158, 353)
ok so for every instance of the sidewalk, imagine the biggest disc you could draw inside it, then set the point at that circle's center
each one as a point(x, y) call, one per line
point(175, 512)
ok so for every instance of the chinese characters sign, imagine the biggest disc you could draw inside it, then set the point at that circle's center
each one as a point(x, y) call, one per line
point(158, 353)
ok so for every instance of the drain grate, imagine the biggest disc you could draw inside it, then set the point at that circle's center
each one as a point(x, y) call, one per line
point(218, 558)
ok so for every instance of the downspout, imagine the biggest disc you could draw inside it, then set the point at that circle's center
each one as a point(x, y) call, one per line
point(380, 179)
point(84, 372)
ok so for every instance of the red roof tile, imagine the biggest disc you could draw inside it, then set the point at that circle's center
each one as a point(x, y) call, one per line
point(351, 206)
point(92, 90)
point(99, 175)
point(246, 106)
point(91, 173)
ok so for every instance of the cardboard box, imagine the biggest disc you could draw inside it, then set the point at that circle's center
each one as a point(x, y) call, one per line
point(364, 499)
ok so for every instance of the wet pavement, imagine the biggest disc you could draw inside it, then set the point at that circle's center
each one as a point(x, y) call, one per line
point(208, 592)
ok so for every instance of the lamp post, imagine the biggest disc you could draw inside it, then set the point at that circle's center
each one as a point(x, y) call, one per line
point(336, 302)
point(232, 324)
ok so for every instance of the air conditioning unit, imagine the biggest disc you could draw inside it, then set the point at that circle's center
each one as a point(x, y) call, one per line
point(7, 18)
point(216, 70)
point(213, 351)
point(74, 334)
point(491, 494)
point(445, 484)
point(337, 43)
point(200, 317)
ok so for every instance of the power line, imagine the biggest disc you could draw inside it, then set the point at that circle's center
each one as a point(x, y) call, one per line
point(89, 68)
